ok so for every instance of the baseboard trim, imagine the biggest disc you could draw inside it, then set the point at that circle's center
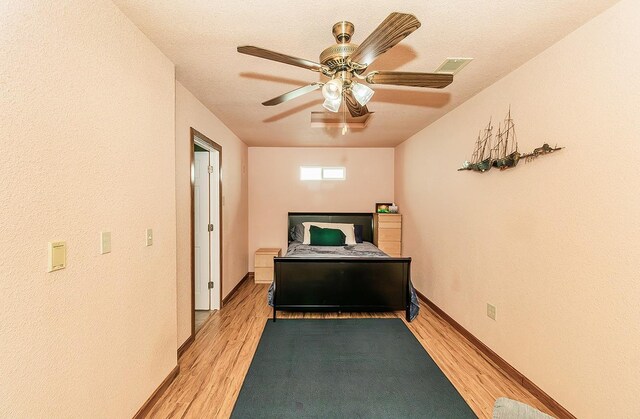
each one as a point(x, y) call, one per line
point(226, 299)
point(151, 401)
point(499, 362)
point(185, 345)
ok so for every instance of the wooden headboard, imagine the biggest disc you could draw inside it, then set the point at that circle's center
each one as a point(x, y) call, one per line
point(365, 219)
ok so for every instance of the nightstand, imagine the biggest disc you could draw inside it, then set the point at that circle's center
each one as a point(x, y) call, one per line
point(387, 233)
point(263, 263)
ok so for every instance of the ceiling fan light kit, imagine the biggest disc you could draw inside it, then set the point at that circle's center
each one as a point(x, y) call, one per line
point(332, 105)
point(362, 93)
point(345, 61)
point(332, 90)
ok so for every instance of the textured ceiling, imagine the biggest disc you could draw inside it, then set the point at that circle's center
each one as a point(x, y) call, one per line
point(201, 36)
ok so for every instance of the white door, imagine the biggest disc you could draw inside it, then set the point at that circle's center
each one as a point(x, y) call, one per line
point(201, 225)
point(214, 236)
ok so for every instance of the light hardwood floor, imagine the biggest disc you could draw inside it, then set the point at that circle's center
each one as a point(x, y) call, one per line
point(201, 317)
point(213, 368)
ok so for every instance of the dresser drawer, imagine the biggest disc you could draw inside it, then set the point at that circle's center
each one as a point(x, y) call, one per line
point(389, 224)
point(384, 218)
point(264, 261)
point(390, 248)
point(389, 235)
point(263, 275)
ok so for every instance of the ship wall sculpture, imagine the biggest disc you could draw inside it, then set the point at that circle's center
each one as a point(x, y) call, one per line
point(504, 154)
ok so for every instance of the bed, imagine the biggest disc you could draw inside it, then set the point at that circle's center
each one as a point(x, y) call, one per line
point(347, 278)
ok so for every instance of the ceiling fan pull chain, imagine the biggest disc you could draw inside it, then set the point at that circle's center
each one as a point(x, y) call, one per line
point(344, 118)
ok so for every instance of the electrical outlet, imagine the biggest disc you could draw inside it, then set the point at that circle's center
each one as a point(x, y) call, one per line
point(491, 311)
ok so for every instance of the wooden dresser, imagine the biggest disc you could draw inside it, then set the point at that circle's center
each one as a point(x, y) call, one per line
point(387, 233)
point(263, 263)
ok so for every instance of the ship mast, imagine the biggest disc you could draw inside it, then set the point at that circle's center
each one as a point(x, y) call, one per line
point(508, 123)
point(498, 146)
point(487, 137)
point(510, 129)
point(474, 157)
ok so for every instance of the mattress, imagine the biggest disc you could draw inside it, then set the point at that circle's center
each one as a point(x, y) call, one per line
point(358, 250)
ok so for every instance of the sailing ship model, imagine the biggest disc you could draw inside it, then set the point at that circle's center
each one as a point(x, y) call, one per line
point(505, 153)
point(481, 159)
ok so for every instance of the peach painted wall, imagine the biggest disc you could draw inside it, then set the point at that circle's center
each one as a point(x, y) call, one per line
point(275, 187)
point(190, 112)
point(552, 243)
point(86, 145)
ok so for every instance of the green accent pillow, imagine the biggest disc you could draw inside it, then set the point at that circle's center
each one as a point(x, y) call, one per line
point(326, 236)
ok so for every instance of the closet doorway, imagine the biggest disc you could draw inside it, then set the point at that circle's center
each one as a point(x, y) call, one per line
point(206, 231)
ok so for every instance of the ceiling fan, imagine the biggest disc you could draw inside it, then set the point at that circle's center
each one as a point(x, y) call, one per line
point(345, 64)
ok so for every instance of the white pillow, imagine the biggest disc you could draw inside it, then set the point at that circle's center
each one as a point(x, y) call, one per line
point(347, 229)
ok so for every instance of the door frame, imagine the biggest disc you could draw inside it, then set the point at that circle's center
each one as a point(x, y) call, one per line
point(193, 134)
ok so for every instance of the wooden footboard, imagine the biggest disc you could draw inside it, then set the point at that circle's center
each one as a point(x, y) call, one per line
point(341, 284)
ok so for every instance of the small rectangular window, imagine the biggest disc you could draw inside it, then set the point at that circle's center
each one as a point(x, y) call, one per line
point(322, 173)
point(333, 173)
point(310, 173)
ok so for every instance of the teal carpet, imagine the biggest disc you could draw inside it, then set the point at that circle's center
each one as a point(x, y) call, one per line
point(349, 368)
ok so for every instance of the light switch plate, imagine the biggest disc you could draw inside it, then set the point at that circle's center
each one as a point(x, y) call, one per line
point(105, 242)
point(149, 237)
point(57, 256)
point(491, 311)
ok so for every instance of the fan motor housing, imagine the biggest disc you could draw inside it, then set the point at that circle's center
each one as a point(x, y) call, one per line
point(336, 56)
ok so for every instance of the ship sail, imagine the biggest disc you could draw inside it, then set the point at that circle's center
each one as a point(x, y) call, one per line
point(511, 154)
point(506, 153)
point(498, 152)
point(472, 165)
point(484, 157)
point(481, 158)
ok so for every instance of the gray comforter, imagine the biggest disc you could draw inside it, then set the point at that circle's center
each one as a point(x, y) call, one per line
point(365, 249)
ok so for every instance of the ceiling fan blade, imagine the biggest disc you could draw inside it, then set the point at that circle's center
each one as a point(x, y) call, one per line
point(276, 56)
point(355, 109)
point(293, 94)
point(403, 78)
point(392, 30)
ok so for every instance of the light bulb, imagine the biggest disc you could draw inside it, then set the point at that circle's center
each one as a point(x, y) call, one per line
point(362, 93)
point(332, 105)
point(332, 90)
